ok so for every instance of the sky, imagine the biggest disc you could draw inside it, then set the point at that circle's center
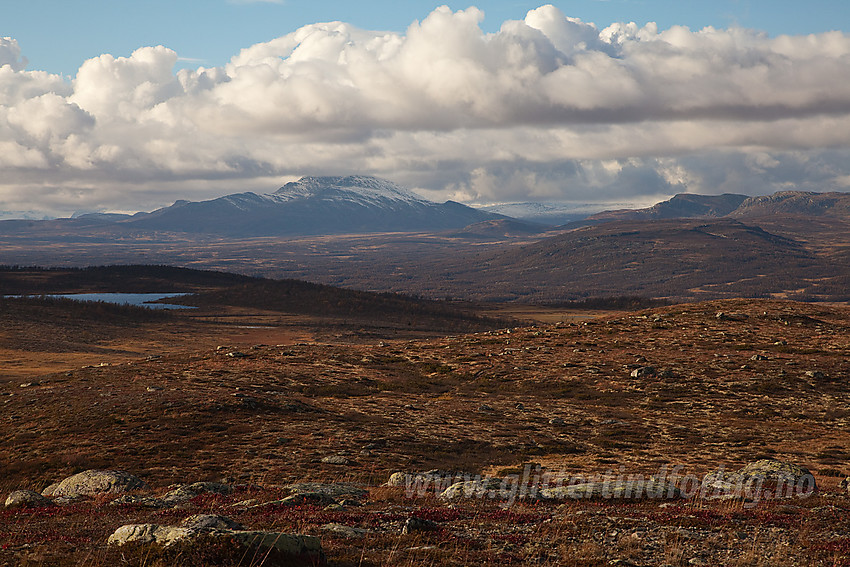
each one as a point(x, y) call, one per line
point(119, 105)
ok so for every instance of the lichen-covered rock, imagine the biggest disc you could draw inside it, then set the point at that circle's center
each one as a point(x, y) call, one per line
point(296, 546)
point(615, 490)
point(27, 499)
point(308, 499)
point(210, 522)
point(333, 489)
point(422, 481)
point(782, 479)
point(345, 531)
point(186, 492)
point(149, 533)
point(139, 501)
point(93, 482)
point(482, 488)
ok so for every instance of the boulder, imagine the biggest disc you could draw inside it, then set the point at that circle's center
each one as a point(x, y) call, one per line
point(644, 372)
point(345, 531)
point(615, 490)
point(308, 499)
point(139, 501)
point(210, 522)
point(439, 479)
point(298, 546)
point(783, 479)
point(27, 499)
point(186, 492)
point(332, 489)
point(94, 482)
point(419, 525)
point(481, 488)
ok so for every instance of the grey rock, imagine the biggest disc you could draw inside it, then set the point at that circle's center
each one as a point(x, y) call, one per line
point(788, 480)
point(93, 482)
point(419, 525)
point(300, 546)
point(307, 499)
point(27, 499)
point(643, 372)
point(345, 531)
point(332, 489)
point(731, 316)
point(614, 489)
point(186, 492)
point(481, 488)
point(139, 501)
point(437, 479)
point(210, 522)
point(335, 460)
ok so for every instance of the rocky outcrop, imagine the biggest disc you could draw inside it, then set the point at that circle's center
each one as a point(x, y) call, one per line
point(614, 489)
point(93, 482)
point(297, 546)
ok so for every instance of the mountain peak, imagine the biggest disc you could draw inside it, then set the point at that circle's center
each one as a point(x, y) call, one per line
point(362, 186)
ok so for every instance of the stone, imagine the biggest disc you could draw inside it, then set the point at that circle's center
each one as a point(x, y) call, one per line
point(614, 489)
point(783, 479)
point(139, 501)
point(335, 460)
point(731, 316)
point(305, 547)
point(481, 488)
point(308, 499)
point(333, 489)
point(93, 482)
point(643, 372)
point(186, 492)
point(419, 525)
point(210, 522)
point(421, 482)
point(27, 499)
point(345, 531)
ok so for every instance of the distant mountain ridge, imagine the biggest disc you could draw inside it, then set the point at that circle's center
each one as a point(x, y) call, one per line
point(683, 205)
point(310, 206)
point(806, 203)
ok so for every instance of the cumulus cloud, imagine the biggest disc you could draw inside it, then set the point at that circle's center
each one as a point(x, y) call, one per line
point(547, 108)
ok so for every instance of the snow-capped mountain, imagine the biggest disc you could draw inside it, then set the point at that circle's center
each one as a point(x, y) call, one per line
point(313, 205)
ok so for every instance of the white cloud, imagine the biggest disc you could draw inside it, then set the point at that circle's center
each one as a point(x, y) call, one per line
point(548, 107)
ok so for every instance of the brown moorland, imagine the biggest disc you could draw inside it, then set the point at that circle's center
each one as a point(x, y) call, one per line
point(626, 392)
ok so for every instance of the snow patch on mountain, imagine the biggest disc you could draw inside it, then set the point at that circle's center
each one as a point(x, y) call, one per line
point(357, 188)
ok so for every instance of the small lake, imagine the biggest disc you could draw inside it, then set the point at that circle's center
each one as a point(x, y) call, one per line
point(137, 299)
